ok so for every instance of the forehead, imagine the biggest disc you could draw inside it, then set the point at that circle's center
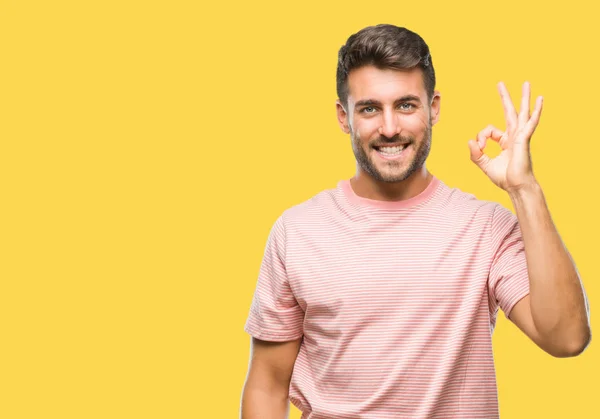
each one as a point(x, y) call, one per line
point(370, 82)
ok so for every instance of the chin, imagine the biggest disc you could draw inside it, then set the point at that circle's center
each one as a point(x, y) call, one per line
point(395, 179)
point(392, 177)
point(397, 175)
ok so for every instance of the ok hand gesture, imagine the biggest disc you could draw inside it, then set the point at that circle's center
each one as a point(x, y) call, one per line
point(511, 169)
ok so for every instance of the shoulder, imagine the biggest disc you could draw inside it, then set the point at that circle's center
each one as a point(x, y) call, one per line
point(319, 207)
point(487, 216)
point(461, 203)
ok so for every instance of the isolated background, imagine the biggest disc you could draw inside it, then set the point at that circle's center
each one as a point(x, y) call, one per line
point(146, 148)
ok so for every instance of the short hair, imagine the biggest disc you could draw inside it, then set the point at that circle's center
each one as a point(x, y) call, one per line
point(385, 47)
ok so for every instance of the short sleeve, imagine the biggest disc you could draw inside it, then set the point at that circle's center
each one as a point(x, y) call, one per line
point(508, 279)
point(274, 313)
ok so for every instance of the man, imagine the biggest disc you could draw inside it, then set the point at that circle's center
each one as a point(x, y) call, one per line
point(378, 299)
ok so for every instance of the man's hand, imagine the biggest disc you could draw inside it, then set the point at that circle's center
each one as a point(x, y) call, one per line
point(511, 170)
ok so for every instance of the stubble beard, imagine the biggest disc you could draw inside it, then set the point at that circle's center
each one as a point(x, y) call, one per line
point(366, 163)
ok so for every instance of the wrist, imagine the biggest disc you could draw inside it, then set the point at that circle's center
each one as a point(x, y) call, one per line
point(525, 192)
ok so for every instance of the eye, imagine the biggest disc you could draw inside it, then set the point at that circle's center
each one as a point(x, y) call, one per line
point(368, 109)
point(406, 106)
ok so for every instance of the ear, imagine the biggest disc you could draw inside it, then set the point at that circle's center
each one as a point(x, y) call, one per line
point(435, 107)
point(342, 117)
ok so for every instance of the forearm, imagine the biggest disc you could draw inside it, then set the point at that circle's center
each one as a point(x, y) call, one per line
point(261, 401)
point(559, 306)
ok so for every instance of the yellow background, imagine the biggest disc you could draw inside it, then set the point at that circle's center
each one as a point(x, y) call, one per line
point(148, 146)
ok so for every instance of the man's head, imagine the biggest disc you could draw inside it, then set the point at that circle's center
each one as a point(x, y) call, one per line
point(386, 97)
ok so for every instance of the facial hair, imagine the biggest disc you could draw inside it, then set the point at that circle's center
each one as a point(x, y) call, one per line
point(366, 163)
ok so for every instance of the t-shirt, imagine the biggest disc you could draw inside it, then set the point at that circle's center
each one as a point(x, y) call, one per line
point(396, 302)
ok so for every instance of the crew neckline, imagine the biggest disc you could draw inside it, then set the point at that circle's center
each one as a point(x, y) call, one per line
point(403, 204)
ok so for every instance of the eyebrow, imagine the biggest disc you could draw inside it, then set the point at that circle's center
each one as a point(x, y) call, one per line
point(373, 102)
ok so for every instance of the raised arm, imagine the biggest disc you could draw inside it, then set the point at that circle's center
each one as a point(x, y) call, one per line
point(555, 314)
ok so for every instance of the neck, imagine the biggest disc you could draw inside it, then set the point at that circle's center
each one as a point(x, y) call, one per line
point(365, 186)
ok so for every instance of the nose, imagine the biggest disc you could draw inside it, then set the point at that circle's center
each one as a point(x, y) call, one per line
point(390, 125)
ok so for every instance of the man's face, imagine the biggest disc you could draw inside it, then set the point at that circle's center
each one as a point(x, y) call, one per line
point(389, 119)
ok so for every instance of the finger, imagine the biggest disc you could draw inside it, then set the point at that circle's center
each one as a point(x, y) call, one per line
point(489, 132)
point(509, 110)
point(535, 116)
point(525, 98)
point(478, 156)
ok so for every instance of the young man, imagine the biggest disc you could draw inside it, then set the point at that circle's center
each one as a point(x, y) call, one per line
point(378, 299)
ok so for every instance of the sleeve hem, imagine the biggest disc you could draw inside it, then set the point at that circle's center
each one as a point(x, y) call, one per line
point(272, 337)
point(515, 301)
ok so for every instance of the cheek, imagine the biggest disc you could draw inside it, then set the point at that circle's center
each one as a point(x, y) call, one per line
point(366, 130)
point(415, 124)
point(424, 120)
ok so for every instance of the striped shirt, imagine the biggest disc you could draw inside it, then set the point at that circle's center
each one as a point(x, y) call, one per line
point(396, 302)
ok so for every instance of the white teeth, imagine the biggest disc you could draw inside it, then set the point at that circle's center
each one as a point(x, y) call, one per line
point(391, 150)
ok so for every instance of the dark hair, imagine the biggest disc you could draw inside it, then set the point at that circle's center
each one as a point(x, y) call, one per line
point(385, 47)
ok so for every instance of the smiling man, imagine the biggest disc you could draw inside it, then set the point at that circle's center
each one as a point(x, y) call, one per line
point(378, 299)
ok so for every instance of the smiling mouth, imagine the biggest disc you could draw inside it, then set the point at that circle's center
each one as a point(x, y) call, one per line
point(390, 151)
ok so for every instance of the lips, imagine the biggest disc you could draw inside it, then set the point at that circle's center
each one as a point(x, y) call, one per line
point(395, 144)
point(390, 151)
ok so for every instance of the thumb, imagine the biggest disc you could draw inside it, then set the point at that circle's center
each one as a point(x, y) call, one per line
point(478, 156)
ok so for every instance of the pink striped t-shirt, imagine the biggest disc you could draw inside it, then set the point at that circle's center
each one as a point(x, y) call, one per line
point(396, 302)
